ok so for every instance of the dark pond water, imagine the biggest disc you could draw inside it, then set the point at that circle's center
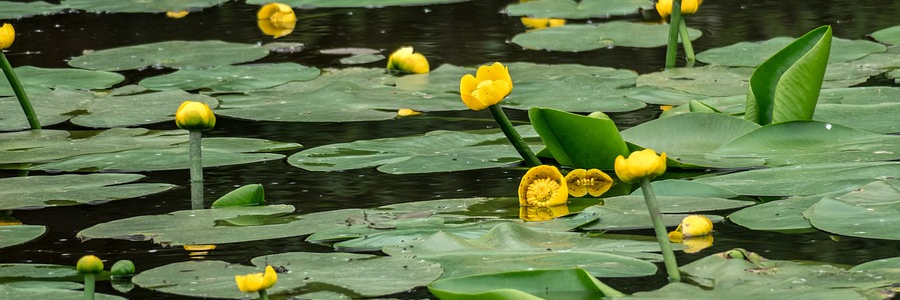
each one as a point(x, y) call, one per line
point(468, 33)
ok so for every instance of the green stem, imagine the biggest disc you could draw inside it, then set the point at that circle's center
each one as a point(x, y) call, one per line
point(89, 285)
point(196, 171)
point(672, 48)
point(263, 295)
point(686, 41)
point(513, 136)
point(660, 228)
point(20, 92)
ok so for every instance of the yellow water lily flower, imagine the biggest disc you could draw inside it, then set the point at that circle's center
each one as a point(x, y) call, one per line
point(177, 14)
point(89, 264)
point(582, 182)
point(537, 214)
point(7, 35)
point(255, 282)
point(695, 225)
point(406, 112)
point(543, 186)
point(488, 87)
point(192, 115)
point(640, 164)
point(688, 7)
point(404, 60)
point(542, 23)
point(276, 19)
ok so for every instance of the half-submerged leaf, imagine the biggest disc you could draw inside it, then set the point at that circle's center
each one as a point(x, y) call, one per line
point(524, 285)
point(786, 86)
point(248, 195)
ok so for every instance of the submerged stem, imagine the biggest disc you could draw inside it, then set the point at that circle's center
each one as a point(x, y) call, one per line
point(674, 21)
point(196, 170)
point(89, 286)
point(20, 92)
point(686, 41)
point(660, 229)
point(513, 136)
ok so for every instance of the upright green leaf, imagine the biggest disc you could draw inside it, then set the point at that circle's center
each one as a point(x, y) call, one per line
point(785, 87)
point(578, 141)
point(248, 195)
point(524, 285)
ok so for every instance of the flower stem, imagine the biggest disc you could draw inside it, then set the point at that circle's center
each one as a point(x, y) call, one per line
point(89, 284)
point(674, 21)
point(661, 236)
point(196, 171)
point(263, 295)
point(20, 92)
point(513, 136)
point(686, 41)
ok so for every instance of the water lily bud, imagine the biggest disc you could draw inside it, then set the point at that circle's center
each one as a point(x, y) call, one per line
point(688, 7)
point(696, 225)
point(177, 14)
point(276, 19)
point(404, 60)
point(488, 87)
point(7, 35)
point(640, 164)
point(255, 282)
point(122, 268)
point(193, 115)
point(89, 264)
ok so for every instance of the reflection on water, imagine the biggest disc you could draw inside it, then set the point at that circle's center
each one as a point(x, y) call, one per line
point(469, 33)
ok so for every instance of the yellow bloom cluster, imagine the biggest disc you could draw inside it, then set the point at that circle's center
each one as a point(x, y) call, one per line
point(404, 60)
point(255, 282)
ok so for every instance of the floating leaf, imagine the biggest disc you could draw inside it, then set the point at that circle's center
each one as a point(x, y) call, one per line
point(675, 204)
point(17, 10)
point(138, 6)
point(685, 188)
point(362, 59)
point(359, 275)
point(232, 78)
point(779, 215)
point(523, 285)
point(248, 195)
point(436, 151)
point(786, 86)
point(171, 54)
point(568, 9)
point(866, 212)
point(890, 35)
point(11, 292)
point(19, 234)
point(630, 219)
point(578, 141)
point(61, 190)
point(138, 109)
point(576, 38)
point(40, 80)
point(804, 179)
point(708, 81)
point(751, 54)
point(355, 3)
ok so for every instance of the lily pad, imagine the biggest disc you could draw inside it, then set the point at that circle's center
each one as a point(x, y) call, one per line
point(685, 188)
point(865, 212)
point(568, 9)
point(778, 215)
point(523, 285)
point(579, 37)
point(708, 81)
point(751, 54)
point(361, 59)
point(41, 80)
point(17, 10)
point(436, 151)
point(10, 292)
point(60, 190)
point(139, 6)
point(804, 179)
point(19, 234)
point(138, 109)
point(170, 54)
point(357, 275)
point(355, 3)
point(232, 78)
point(630, 219)
point(675, 204)
point(890, 35)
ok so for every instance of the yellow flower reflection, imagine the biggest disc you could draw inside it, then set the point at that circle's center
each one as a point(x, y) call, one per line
point(688, 7)
point(640, 164)
point(177, 14)
point(276, 19)
point(7, 35)
point(543, 186)
point(198, 251)
point(255, 282)
point(488, 87)
point(542, 23)
point(536, 214)
point(404, 60)
point(694, 233)
point(691, 244)
point(582, 182)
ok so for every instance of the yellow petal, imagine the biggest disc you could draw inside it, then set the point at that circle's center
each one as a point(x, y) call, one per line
point(640, 164)
point(269, 278)
point(600, 182)
point(275, 29)
point(7, 35)
point(405, 112)
point(271, 9)
point(494, 72)
point(404, 60)
point(177, 14)
point(543, 186)
point(192, 115)
point(534, 22)
point(696, 225)
point(466, 86)
point(556, 22)
point(572, 181)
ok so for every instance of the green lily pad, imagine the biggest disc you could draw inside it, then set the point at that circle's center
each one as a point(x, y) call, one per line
point(685, 188)
point(35, 284)
point(865, 212)
point(523, 285)
point(17, 10)
point(804, 179)
point(356, 3)
point(361, 59)
point(357, 275)
point(886, 263)
point(19, 234)
point(568, 9)
point(232, 78)
point(22, 272)
point(675, 204)
point(751, 54)
point(40, 80)
point(51, 109)
point(779, 215)
point(170, 54)
point(579, 37)
point(60, 190)
point(378, 240)
point(678, 290)
point(708, 81)
point(436, 151)
point(630, 219)
point(139, 6)
point(138, 109)
point(890, 35)
point(10, 292)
